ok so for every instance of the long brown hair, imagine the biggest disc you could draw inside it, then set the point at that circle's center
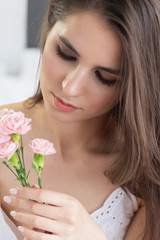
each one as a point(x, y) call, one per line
point(138, 110)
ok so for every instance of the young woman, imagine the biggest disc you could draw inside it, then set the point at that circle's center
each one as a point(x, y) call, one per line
point(98, 101)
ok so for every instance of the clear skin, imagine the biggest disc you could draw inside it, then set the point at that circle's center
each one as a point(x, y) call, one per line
point(75, 81)
point(66, 214)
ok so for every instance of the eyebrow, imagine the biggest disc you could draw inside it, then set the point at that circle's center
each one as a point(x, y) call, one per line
point(69, 45)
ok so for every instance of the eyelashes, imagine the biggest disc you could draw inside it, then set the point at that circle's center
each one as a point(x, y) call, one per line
point(104, 80)
point(64, 56)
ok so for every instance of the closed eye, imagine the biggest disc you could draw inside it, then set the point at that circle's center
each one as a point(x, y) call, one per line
point(63, 55)
point(66, 57)
point(109, 82)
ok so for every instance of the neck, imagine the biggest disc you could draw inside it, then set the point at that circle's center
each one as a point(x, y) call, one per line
point(76, 137)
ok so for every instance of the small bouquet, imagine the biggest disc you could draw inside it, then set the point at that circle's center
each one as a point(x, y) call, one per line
point(12, 126)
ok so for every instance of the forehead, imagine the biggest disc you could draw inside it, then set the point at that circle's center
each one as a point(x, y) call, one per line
point(90, 36)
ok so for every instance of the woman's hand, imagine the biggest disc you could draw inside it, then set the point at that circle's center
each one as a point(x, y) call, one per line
point(58, 216)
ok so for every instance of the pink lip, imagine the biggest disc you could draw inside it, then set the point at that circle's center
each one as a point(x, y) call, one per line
point(60, 104)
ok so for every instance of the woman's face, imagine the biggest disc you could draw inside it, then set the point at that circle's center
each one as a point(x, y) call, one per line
point(80, 67)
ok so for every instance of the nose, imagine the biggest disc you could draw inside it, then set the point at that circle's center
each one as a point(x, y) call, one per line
point(75, 82)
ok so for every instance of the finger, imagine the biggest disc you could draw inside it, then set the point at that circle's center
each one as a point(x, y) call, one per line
point(38, 230)
point(48, 211)
point(42, 223)
point(41, 195)
point(31, 234)
point(18, 202)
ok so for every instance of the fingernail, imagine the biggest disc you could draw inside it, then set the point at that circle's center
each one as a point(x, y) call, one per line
point(13, 213)
point(13, 191)
point(21, 229)
point(34, 186)
point(7, 199)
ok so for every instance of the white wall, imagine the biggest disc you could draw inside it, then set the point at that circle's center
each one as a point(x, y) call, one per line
point(13, 29)
point(18, 65)
point(17, 88)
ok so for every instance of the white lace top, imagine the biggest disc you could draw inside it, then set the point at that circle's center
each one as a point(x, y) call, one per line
point(116, 213)
point(113, 217)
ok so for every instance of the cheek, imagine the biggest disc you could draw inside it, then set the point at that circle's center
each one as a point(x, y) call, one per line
point(105, 100)
point(51, 70)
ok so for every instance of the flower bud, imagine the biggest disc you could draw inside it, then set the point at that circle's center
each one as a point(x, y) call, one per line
point(39, 159)
point(14, 161)
point(35, 166)
point(16, 137)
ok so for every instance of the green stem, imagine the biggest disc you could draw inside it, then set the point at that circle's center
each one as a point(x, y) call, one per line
point(28, 173)
point(20, 178)
point(22, 154)
point(21, 181)
point(25, 178)
point(39, 182)
point(9, 168)
point(19, 159)
point(17, 176)
point(26, 182)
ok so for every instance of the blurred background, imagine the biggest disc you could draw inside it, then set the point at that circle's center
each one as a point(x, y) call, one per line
point(20, 22)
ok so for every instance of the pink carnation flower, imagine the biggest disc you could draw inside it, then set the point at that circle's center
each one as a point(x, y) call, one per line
point(4, 138)
point(8, 149)
point(14, 123)
point(5, 111)
point(41, 146)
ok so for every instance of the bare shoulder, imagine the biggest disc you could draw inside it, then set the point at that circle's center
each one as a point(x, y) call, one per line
point(22, 107)
point(140, 202)
point(137, 226)
point(14, 106)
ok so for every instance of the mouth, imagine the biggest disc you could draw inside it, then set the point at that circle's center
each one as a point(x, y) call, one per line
point(63, 106)
point(67, 104)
